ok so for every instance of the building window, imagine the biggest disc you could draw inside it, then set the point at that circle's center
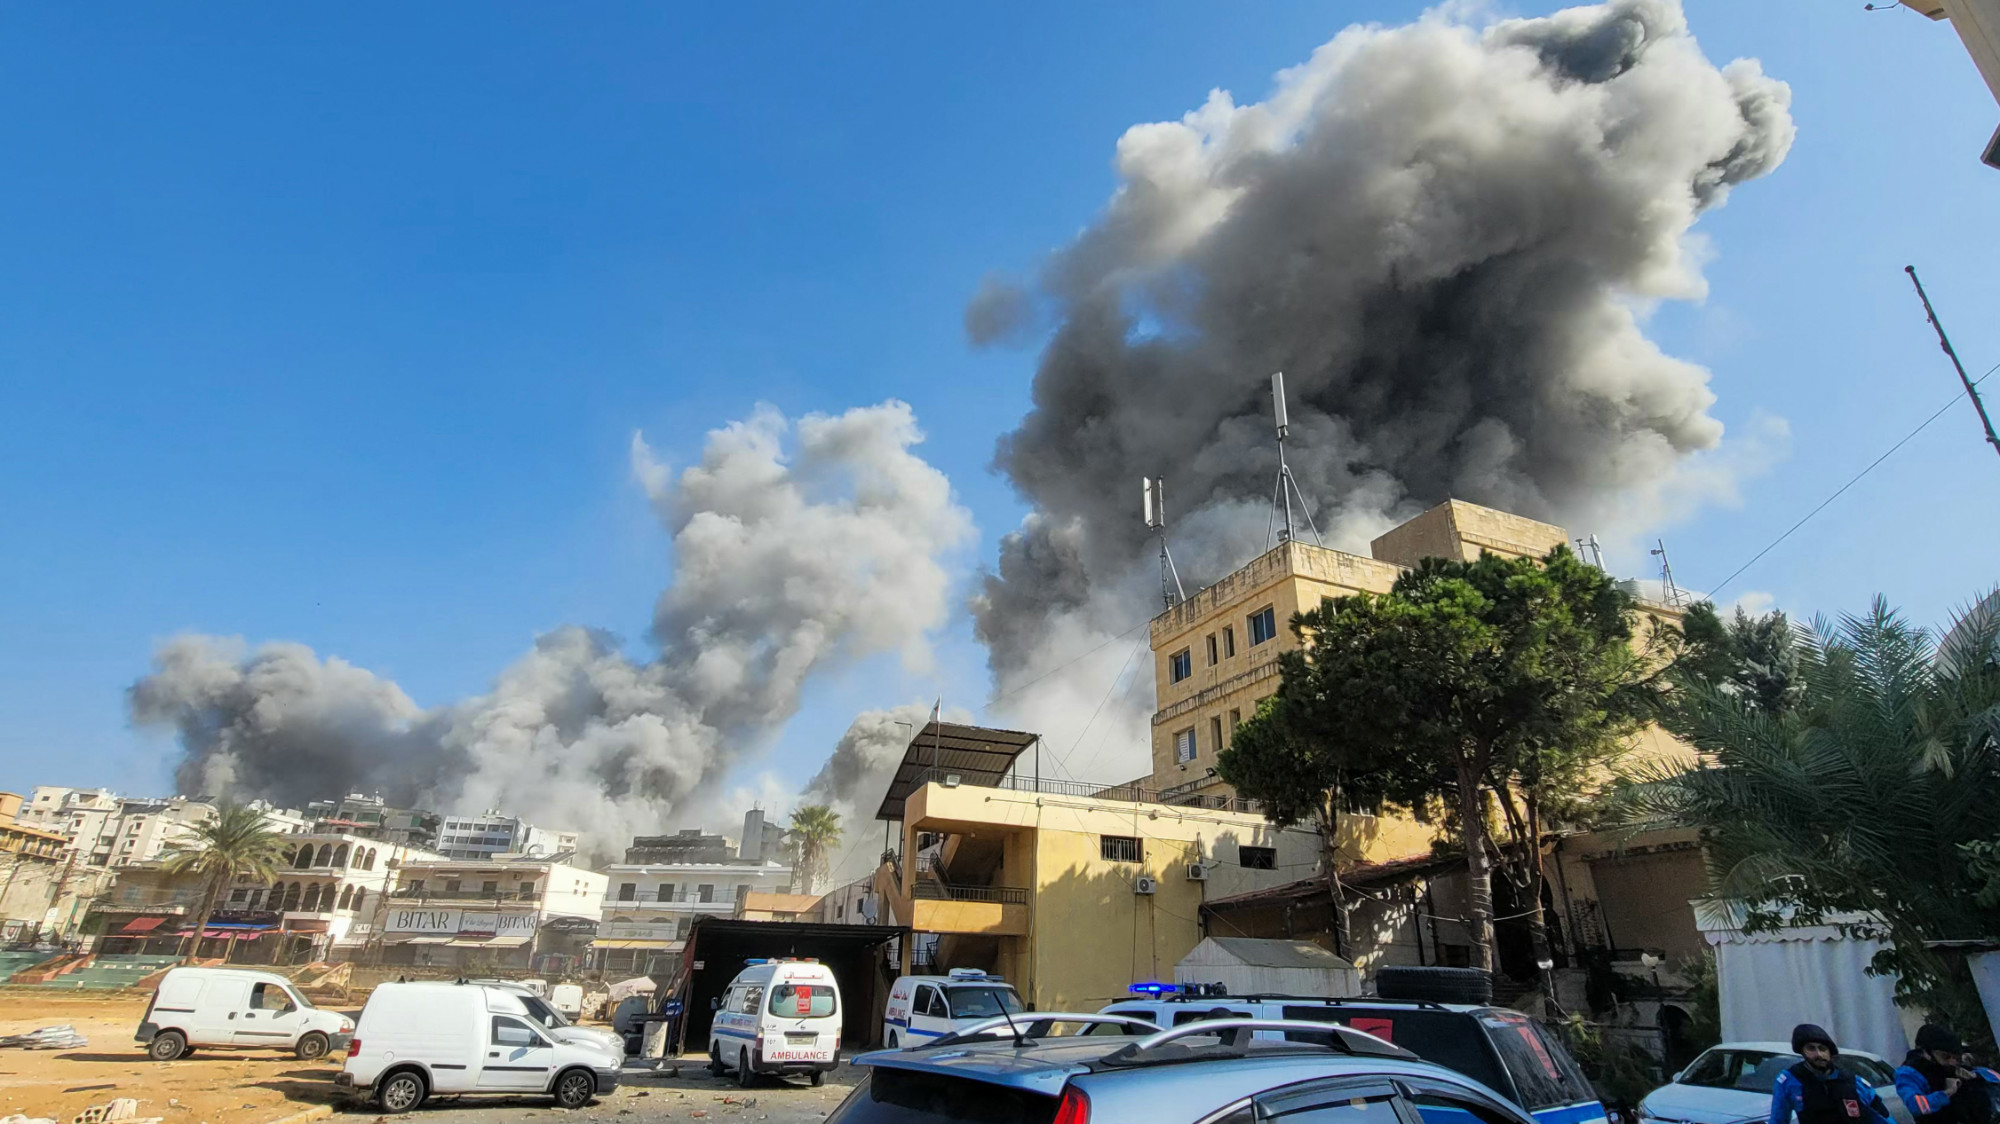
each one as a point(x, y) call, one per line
point(627, 892)
point(1235, 720)
point(1257, 858)
point(742, 892)
point(1119, 848)
point(1211, 649)
point(704, 893)
point(489, 887)
point(239, 895)
point(1228, 642)
point(527, 889)
point(1215, 733)
point(1180, 665)
point(1263, 626)
point(1184, 747)
point(666, 891)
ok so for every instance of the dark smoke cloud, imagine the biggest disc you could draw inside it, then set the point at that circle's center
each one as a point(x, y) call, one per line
point(787, 560)
point(1446, 237)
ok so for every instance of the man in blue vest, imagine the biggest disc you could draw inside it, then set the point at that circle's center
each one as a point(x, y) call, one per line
point(1938, 1087)
point(1818, 1091)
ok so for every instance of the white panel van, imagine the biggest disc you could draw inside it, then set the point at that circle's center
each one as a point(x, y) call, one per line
point(416, 1039)
point(922, 1008)
point(236, 1008)
point(778, 1016)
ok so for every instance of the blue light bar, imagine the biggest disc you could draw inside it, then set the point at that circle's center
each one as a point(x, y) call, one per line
point(1154, 989)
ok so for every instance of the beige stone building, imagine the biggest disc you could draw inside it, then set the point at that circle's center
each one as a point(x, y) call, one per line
point(1215, 655)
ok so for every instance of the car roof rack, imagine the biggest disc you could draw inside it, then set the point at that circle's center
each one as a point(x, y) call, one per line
point(1218, 1000)
point(1242, 1032)
point(1025, 1025)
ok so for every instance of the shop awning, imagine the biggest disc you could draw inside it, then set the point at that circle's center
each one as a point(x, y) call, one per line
point(232, 934)
point(633, 944)
point(416, 938)
point(486, 942)
point(305, 924)
point(142, 924)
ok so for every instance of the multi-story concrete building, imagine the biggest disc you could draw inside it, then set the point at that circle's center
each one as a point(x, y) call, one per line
point(484, 836)
point(54, 808)
point(651, 904)
point(38, 877)
point(371, 817)
point(512, 911)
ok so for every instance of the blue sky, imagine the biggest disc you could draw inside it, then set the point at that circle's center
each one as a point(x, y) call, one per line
point(334, 325)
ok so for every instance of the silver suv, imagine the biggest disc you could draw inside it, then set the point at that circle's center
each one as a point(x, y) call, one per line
point(1116, 1070)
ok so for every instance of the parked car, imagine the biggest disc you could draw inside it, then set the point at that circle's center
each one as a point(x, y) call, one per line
point(416, 1039)
point(1504, 1050)
point(554, 1021)
point(1231, 1071)
point(921, 1008)
point(567, 998)
point(778, 1017)
point(236, 1008)
point(1733, 1081)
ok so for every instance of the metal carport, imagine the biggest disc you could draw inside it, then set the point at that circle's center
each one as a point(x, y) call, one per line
point(718, 946)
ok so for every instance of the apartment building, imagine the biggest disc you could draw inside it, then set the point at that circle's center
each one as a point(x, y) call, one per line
point(484, 836)
point(666, 882)
point(510, 911)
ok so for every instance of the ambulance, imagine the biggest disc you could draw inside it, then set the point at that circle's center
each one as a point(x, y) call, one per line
point(778, 1017)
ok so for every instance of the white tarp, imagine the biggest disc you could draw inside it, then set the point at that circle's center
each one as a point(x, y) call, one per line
point(626, 989)
point(1772, 981)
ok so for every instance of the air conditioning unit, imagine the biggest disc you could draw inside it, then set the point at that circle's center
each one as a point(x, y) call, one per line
point(1146, 884)
point(1197, 872)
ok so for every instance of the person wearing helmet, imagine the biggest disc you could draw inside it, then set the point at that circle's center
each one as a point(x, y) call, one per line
point(1938, 1087)
point(1818, 1091)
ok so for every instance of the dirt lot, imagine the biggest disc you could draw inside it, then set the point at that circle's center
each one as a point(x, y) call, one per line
point(212, 1087)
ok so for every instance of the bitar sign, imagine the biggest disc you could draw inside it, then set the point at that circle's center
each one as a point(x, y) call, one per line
point(455, 921)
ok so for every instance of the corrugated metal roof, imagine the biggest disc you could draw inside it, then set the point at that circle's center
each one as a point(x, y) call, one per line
point(1259, 953)
point(979, 755)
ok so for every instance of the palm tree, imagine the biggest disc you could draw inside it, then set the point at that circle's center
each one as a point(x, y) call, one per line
point(1872, 792)
point(816, 829)
point(235, 843)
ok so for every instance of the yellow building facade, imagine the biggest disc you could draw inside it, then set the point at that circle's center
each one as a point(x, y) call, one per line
point(1215, 655)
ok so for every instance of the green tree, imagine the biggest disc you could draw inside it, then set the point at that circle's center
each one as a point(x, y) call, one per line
point(816, 829)
point(1867, 802)
point(1754, 658)
point(1304, 758)
point(1504, 673)
point(234, 843)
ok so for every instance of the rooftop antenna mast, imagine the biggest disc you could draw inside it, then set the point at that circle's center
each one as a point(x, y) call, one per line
point(1588, 549)
point(1156, 520)
point(1287, 487)
point(1944, 341)
point(1672, 592)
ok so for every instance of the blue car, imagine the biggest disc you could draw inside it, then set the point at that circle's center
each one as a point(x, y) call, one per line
point(1109, 1070)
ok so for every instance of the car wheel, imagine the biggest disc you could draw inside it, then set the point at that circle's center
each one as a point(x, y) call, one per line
point(715, 1066)
point(167, 1045)
point(818, 1078)
point(312, 1047)
point(892, 1040)
point(744, 1078)
point(574, 1088)
point(401, 1091)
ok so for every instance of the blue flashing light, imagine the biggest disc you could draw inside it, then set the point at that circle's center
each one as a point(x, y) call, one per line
point(1154, 989)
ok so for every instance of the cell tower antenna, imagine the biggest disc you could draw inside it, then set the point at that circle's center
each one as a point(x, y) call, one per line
point(1588, 549)
point(1156, 521)
point(1672, 592)
point(1287, 488)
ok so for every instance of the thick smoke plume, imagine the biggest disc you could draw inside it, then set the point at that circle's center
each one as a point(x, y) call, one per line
point(785, 563)
point(1446, 237)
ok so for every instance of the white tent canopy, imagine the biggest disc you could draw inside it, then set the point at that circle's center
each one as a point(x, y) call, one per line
point(626, 989)
point(1772, 981)
point(1248, 966)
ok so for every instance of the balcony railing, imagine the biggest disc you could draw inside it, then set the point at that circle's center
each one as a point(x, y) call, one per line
point(999, 895)
point(425, 893)
point(1131, 793)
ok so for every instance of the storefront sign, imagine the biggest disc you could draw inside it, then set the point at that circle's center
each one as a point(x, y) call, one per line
point(467, 921)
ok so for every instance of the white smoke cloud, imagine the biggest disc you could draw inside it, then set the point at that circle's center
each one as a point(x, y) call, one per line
point(797, 548)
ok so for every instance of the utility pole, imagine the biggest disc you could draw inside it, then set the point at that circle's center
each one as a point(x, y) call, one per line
point(1944, 342)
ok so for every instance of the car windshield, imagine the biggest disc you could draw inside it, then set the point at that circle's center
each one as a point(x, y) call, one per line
point(543, 1013)
point(983, 1002)
point(802, 1000)
point(299, 997)
point(1724, 1068)
point(894, 1096)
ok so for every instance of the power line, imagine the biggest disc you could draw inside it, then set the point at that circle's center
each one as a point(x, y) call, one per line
point(1061, 760)
point(1953, 401)
point(1061, 666)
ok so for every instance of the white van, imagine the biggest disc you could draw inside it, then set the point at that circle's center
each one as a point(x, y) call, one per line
point(238, 1008)
point(416, 1039)
point(567, 998)
point(921, 1008)
point(778, 1016)
point(555, 1022)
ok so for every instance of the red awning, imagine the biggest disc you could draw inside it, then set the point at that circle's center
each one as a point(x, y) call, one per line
point(232, 934)
point(142, 924)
